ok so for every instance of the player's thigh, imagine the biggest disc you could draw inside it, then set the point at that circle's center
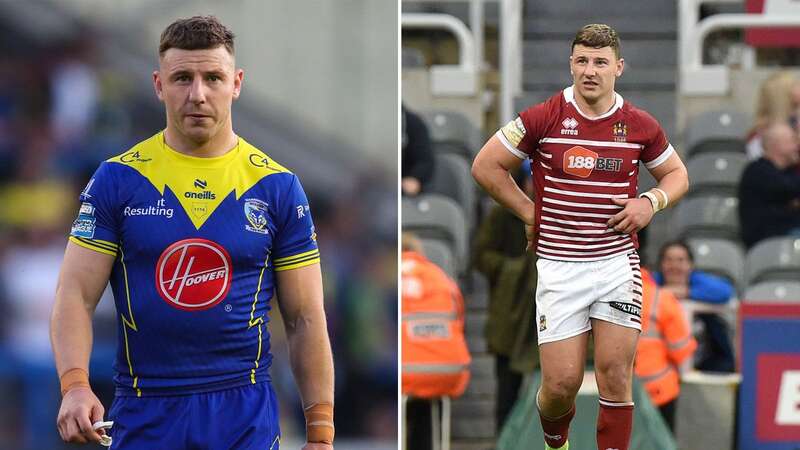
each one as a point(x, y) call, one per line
point(564, 295)
point(563, 363)
point(243, 418)
point(618, 291)
point(614, 344)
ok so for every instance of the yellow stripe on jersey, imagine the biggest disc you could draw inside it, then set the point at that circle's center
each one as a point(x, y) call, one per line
point(257, 321)
point(128, 322)
point(109, 248)
point(302, 260)
point(288, 259)
point(200, 184)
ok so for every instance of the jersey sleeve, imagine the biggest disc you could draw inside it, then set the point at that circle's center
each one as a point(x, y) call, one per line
point(295, 243)
point(656, 147)
point(521, 136)
point(96, 226)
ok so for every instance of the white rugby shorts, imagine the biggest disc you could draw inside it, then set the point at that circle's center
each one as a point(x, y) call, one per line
point(569, 293)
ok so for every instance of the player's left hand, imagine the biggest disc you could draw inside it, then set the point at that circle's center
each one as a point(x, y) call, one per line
point(317, 446)
point(636, 214)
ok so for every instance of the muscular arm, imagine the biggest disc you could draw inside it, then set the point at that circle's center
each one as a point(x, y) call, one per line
point(300, 300)
point(84, 275)
point(491, 169)
point(672, 178)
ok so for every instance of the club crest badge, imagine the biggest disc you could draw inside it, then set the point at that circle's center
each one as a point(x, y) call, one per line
point(256, 213)
point(620, 132)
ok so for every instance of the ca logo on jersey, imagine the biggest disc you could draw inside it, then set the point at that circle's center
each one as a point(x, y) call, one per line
point(256, 212)
point(194, 274)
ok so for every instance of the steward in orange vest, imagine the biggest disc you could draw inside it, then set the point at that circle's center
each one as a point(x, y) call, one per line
point(435, 359)
point(665, 343)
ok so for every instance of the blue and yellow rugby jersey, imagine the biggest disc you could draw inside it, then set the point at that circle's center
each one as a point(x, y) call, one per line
point(197, 244)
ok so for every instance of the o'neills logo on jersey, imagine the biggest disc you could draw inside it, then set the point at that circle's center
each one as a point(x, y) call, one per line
point(193, 274)
point(203, 195)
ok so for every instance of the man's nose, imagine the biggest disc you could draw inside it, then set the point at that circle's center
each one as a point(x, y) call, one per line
point(197, 92)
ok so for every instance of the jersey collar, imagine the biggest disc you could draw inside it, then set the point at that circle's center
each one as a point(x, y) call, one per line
point(195, 161)
point(569, 97)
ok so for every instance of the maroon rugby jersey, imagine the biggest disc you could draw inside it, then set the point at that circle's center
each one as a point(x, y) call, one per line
point(579, 164)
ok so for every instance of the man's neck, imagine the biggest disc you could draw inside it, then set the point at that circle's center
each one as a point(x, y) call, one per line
point(598, 107)
point(780, 163)
point(220, 144)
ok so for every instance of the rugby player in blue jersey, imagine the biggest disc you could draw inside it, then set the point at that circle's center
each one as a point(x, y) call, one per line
point(195, 229)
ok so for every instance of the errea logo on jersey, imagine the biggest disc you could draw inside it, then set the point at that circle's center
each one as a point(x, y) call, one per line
point(570, 125)
point(194, 274)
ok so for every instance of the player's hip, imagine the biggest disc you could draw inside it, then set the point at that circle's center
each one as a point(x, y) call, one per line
point(244, 417)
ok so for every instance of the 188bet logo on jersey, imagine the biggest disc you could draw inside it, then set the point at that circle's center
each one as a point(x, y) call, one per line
point(581, 162)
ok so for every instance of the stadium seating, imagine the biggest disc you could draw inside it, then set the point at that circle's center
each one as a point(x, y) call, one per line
point(776, 258)
point(773, 291)
point(452, 178)
point(452, 132)
point(438, 217)
point(439, 253)
point(707, 215)
point(716, 172)
point(713, 131)
point(720, 256)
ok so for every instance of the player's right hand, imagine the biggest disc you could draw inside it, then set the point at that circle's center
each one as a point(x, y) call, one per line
point(530, 236)
point(80, 408)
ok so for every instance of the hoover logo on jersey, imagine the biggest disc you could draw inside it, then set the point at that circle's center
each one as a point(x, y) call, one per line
point(194, 274)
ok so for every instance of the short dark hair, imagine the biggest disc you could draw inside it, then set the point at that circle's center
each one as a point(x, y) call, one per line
point(196, 33)
point(677, 243)
point(597, 35)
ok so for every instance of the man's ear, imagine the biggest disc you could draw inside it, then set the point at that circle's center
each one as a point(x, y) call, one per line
point(157, 85)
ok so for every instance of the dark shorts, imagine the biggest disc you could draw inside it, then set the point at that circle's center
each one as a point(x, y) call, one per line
point(241, 418)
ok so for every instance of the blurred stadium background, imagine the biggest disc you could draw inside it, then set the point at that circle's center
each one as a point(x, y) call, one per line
point(320, 96)
point(469, 66)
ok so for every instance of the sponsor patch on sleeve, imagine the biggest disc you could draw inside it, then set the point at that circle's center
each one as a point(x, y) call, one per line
point(83, 227)
point(514, 131)
point(86, 209)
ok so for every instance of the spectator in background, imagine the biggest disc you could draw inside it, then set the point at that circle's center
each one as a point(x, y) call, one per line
point(511, 326)
point(435, 358)
point(417, 154)
point(778, 102)
point(769, 191)
point(665, 343)
point(678, 275)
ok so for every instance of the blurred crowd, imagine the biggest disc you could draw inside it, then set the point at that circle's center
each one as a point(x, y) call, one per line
point(63, 111)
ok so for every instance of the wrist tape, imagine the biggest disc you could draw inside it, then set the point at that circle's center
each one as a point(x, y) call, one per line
point(319, 423)
point(74, 378)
